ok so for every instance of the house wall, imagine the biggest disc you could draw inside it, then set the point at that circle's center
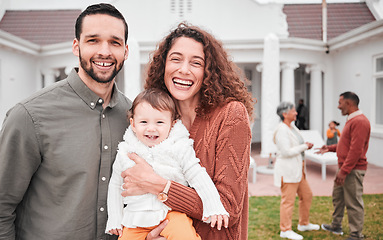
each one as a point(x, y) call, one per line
point(17, 78)
point(353, 71)
point(67, 60)
point(225, 19)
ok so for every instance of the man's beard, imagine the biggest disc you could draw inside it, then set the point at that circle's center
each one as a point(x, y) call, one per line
point(100, 79)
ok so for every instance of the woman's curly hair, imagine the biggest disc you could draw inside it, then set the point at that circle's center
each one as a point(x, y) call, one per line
point(222, 78)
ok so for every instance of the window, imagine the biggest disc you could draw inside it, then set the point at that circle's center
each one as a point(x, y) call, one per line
point(181, 7)
point(379, 101)
point(378, 78)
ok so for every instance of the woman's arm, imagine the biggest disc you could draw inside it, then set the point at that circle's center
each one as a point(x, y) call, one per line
point(284, 145)
point(229, 167)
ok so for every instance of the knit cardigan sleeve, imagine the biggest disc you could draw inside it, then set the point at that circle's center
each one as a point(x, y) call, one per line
point(224, 150)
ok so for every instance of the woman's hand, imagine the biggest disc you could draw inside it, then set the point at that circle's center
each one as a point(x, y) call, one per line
point(141, 178)
point(218, 219)
point(309, 145)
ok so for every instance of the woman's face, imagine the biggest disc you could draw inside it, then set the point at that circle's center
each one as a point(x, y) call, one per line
point(290, 115)
point(184, 69)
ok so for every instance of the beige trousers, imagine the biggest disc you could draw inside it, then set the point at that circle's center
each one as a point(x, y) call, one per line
point(289, 192)
point(349, 195)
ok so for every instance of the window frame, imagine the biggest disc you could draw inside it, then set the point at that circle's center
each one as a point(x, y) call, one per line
point(376, 75)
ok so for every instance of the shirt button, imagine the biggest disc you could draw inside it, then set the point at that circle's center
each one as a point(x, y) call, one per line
point(92, 104)
point(103, 179)
point(106, 147)
point(100, 100)
point(102, 209)
point(103, 115)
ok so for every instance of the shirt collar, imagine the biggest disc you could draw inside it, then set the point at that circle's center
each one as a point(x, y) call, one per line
point(354, 114)
point(87, 95)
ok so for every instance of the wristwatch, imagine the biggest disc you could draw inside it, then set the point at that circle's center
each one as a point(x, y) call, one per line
point(163, 196)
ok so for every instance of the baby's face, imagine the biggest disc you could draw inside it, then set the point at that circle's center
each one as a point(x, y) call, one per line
point(332, 125)
point(150, 125)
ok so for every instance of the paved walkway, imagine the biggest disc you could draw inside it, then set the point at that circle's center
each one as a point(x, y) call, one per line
point(264, 186)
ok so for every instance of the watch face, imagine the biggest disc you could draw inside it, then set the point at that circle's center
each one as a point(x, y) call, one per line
point(162, 197)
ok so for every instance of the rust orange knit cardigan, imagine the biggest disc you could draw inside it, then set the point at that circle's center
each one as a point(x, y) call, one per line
point(222, 143)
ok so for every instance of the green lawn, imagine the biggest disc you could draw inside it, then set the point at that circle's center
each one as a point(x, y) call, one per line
point(264, 218)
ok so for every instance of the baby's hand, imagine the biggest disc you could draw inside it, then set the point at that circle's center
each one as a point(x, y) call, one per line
point(218, 219)
point(116, 231)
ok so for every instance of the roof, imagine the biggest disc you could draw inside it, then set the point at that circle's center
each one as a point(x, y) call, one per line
point(305, 20)
point(42, 27)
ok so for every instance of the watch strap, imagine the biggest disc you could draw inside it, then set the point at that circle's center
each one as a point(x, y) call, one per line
point(167, 187)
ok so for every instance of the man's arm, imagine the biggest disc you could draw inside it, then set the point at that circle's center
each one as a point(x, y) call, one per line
point(19, 159)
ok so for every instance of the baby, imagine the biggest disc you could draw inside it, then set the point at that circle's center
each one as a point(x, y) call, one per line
point(157, 136)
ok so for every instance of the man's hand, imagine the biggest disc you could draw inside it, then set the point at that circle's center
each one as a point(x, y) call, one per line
point(141, 178)
point(155, 233)
point(218, 219)
point(340, 177)
point(322, 150)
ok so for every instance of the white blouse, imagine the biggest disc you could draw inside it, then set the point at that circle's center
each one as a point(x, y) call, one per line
point(289, 157)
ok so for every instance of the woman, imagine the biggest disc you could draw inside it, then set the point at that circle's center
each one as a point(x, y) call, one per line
point(289, 173)
point(214, 104)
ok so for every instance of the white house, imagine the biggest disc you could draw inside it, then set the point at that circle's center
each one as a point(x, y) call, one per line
point(288, 51)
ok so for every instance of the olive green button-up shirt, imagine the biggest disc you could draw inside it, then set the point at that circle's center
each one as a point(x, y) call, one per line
point(56, 153)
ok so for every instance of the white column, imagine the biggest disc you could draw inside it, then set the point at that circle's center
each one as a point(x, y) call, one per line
point(132, 70)
point(270, 93)
point(68, 69)
point(50, 76)
point(288, 83)
point(316, 97)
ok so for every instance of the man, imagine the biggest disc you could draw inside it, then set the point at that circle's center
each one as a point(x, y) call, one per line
point(57, 147)
point(352, 162)
point(302, 115)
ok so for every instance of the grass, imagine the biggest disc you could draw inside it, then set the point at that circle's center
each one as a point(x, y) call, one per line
point(264, 218)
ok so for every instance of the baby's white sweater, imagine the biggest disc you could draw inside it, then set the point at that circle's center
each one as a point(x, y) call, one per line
point(173, 159)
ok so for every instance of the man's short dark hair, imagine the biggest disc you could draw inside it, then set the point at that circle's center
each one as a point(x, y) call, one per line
point(352, 96)
point(101, 8)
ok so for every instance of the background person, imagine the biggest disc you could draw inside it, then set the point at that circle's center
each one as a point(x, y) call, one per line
point(332, 133)
point(352, 163)
point(57, 147)
point(289, 173)
point(302, 117)
point(157, 136)
point(214, 105)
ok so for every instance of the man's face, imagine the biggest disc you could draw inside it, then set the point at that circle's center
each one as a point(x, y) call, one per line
point(343, 105)
point(101, 48)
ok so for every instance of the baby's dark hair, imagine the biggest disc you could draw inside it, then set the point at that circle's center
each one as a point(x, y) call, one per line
point(335, 122)
point(158, 99)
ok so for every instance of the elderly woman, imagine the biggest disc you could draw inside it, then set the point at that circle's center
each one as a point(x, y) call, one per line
point(289, 173)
